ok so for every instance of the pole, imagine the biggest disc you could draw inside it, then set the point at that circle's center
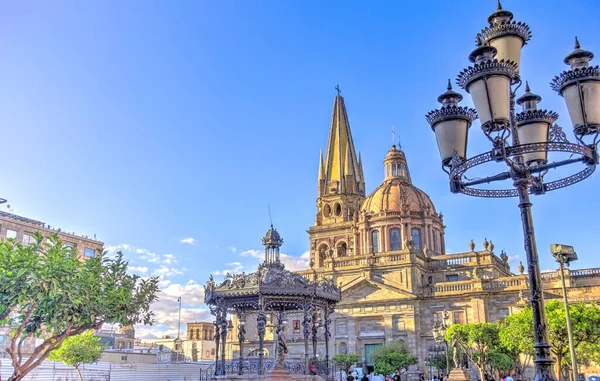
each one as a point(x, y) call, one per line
point(217, 340)
point(569, 326)
point(223, 339)
point(447, 361)
point(179, 320)
point(543, 361)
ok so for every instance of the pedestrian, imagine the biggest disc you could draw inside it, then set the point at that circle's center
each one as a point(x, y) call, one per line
point(364, 377)
point(350, 377)
point(396, 375)
point(509, 378)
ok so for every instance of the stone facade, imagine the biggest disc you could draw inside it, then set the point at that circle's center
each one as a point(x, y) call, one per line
point(22, 230)
point(387, 251)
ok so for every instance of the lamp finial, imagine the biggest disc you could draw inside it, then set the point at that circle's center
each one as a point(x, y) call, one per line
point(527, 89)
point(577, 46)
point(449, 84)
point(499, 8)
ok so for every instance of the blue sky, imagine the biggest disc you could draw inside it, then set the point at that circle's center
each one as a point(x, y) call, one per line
point(149, 123)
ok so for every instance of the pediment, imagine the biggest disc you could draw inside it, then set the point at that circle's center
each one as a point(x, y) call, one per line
point(368, 291)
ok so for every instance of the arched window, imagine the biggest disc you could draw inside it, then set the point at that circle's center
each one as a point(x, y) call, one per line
point(416, 237)
point(343, 348)
point(191, 334)
point(197, 333)
point(342, 249)
point(375, 240)
point(395, 239)
point(206, 334)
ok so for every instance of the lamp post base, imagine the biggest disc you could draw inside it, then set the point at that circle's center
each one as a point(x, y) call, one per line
point(459, 375)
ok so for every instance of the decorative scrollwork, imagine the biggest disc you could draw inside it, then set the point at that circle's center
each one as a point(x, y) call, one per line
point(557, 143)
point(557, 134)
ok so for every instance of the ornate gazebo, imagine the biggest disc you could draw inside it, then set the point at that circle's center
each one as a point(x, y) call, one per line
point(271, 289)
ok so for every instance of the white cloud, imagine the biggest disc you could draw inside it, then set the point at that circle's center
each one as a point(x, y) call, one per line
point(169, 259)
point(291, 263)
point(139, 269)
point(166, 310)
point(165, 271)
point(189, 241)
point(513, 258)
point(233, 249)
point(234, 268)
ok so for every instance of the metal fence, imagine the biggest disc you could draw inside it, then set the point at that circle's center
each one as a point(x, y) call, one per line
point(50, 371)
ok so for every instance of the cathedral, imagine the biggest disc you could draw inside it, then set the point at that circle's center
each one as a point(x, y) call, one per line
point(386, 251)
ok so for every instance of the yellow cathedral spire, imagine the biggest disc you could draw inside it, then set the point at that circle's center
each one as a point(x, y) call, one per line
point(342, 173)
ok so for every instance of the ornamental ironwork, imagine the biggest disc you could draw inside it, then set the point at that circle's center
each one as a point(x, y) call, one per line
point(276, 290)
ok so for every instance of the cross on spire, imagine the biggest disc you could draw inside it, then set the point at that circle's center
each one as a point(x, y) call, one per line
point(337, 87)
point(393, 136)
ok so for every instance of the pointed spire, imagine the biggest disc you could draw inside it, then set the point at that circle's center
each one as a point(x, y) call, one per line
point(527, 89)
point(347, 170)
point(340, 155)
point(449, 85)
point(577, 46)
point(499, 7)
point(321, 166)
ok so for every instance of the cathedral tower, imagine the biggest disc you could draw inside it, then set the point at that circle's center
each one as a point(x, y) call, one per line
point(341, 180)
point(341, 191)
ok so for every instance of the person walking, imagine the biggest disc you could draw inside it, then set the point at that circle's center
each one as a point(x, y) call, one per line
point(396, 375)
point(350, 377)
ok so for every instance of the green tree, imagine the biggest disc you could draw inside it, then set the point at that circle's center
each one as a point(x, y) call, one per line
point(345, 360)
point(390, 357)
point(585, 320)
point(80, 349)
point(499, 362)
point(47, 292)
point(476, 340)
point(439, 360)
point(518, 346)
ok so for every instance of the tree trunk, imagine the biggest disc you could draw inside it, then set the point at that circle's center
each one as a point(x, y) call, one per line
point(79, 373)
point(559, 366)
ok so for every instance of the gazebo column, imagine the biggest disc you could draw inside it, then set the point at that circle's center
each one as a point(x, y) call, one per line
point(327, 336)
point(261, 323)
point(217, 324)
point(306, 325)
point(241, 338)
point(315, 327)
point(223, 338)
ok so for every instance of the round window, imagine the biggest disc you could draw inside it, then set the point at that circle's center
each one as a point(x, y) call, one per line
point(327, 210)
point(338, 209)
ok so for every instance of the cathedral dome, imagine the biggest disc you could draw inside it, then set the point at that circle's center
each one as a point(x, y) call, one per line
point(397, 194)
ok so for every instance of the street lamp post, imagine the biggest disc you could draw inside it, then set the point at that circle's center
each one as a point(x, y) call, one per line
point(439, 335)
point(564, 255)
point(492, 82)
point(179, 329)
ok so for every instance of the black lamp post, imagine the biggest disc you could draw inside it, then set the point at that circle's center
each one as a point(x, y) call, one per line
point(564, 255)
point(492, 82)
point(439, 335)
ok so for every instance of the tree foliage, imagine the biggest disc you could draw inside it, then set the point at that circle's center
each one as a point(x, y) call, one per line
point(515, 340)
point(390, 357)
point(80, 349)
point(477, 341)
point(47, 292)
point(585, 320)
point(345, 360)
